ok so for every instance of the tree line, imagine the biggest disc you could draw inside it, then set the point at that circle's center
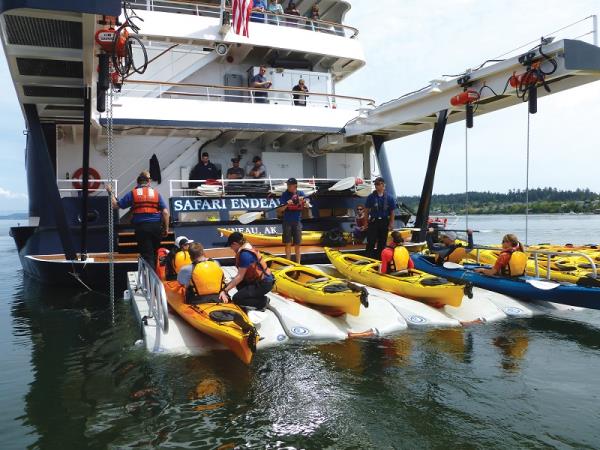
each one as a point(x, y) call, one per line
point(541, 201)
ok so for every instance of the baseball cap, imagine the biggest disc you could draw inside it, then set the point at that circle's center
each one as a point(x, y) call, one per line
point(236, 236)
point(182, 240)
point(448, 234)
point(256, 158)
point(235, 159)
point(379, 180)
point(292, 181)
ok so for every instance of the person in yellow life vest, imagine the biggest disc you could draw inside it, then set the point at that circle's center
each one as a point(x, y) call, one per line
point(448, 250)
point(512, 260)
point(150, 216)
point(178, 257)
point(395, 257)
point(203, 278)
point(253, 280)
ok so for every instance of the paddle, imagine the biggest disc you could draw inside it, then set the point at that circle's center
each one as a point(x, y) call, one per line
point(543, 285)
point(452, 266)
point(341, 185)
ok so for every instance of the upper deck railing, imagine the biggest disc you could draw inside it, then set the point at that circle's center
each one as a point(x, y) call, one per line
point(211, 10)
point(219, 93)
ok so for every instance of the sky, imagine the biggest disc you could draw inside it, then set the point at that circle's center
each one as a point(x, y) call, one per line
point(406, 44)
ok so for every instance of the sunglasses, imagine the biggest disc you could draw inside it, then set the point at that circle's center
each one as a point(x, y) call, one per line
point(378, 184)
point(360, 209)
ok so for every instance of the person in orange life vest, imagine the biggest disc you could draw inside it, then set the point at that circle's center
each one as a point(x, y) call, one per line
point(395, 257)
point(447, 249)
point(203, 278)
point(361, 224)
point(293, 202)
point(178, 257)
point(150, 216)
point(253, 280)
point(505, 265)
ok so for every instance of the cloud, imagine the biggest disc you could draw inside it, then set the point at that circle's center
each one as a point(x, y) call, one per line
point(6, 194)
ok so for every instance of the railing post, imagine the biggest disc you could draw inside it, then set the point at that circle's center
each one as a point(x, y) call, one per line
point(595, 25)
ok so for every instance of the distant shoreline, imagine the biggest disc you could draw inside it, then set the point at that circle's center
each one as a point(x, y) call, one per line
point(14, 216)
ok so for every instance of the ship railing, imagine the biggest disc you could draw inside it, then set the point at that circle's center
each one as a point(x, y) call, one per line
point(282, 20)
point(239, 94)
point(73, 189)
point(152, 288)
point(244, 186)
point(543, 258)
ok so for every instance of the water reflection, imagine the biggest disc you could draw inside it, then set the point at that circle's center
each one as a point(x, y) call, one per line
point(512, 343)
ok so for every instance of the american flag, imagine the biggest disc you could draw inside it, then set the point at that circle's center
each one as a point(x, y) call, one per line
point(241, 16)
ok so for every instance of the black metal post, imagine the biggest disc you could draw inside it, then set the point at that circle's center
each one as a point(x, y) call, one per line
point(384, 165)
point(40, 164)
point(87, 117)
point(434, 152)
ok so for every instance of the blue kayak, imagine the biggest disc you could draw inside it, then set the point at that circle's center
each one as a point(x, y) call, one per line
point(520, 288)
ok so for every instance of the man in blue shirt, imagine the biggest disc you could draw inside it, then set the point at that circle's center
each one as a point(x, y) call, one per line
point(259, 81)
point(293, 202)
point(260, 6)
point(149, 210)
point(380, 206)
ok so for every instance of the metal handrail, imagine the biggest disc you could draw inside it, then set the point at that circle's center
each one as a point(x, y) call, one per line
point(269, 18)
point(92, 191)
point(212, 92)
point(549, 254)
point(153, 290)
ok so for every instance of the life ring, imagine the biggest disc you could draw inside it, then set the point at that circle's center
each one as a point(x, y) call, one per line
point(92, 174)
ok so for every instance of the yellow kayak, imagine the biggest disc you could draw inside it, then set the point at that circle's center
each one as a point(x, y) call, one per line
point(315, 288)
point(308, 237)
point(227, 323)
point(413, 284)
point(562, 268)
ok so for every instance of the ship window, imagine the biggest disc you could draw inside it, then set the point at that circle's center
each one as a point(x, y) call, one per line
point(335, 212)
point(199, 216)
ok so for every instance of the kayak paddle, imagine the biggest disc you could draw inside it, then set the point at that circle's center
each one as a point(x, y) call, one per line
point(341, 185)
point(452, 266)
point(543, 285)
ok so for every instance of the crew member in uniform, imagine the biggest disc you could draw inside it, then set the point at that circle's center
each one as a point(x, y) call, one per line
point(150, 216)
point(448, 250)
point(512, 260)
point(253, 280)
point(203, 278)
point(380, 206)
point(178, 257)
point(293, 202)
point(395, 257)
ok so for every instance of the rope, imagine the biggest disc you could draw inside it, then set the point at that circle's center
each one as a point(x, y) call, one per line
point(111, 219)
point(467, 176)
point(527, 181)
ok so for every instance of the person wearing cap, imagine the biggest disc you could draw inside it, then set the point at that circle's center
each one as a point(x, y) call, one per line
point(257, 169)
point(254, 278)
point(380, 206)
point(202, 277)
point(178, 257)
point(293, 202)
point(205, 170)
point(235, 172)
point(150, 216)
point(447, 249)
point(302, 93)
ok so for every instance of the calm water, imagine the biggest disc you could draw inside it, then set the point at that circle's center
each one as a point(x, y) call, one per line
point(70, 379)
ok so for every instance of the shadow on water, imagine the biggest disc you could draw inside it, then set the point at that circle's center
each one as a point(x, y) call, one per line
point(583, 334)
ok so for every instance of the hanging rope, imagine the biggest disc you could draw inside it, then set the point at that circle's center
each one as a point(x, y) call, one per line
point(111, 219)
point(467, 177)
point(527, 182)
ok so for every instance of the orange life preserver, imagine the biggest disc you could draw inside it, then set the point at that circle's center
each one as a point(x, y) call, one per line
point(258, 270)
point(145, 201)
point(92, 174)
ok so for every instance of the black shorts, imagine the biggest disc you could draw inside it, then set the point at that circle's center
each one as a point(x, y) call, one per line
point(292, 233)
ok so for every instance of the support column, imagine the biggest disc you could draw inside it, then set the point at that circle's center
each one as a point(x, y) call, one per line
point(384, 165)
point(42, 182)
point(434, 152)
point(87, 116)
